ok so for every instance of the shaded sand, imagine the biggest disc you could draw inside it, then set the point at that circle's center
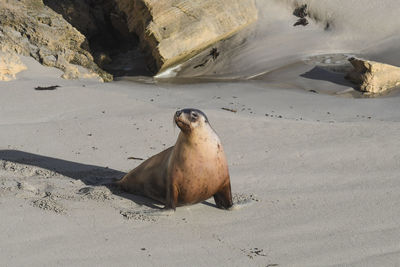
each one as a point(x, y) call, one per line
point(315, 177)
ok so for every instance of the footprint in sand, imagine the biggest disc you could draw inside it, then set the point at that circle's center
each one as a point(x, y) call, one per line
point(241, 200)
point(254, 252)
point(25, 170)
point(99, 193)
point(145, 215)
point(137, 216)
point(48, 203)
point(25, 186)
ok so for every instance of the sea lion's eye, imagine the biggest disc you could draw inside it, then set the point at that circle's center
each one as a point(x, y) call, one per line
point(194, 116)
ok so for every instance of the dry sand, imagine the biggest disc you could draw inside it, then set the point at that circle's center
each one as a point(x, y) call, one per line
point(315, 172)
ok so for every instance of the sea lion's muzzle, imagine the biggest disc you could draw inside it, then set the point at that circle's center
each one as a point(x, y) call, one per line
point(181, 121)
point(178, 113)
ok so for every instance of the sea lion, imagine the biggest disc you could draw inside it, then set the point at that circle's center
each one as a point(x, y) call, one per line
point(191, 171)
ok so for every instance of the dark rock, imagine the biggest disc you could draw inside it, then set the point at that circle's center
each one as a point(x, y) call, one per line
point(302, 22)
point(301, 12)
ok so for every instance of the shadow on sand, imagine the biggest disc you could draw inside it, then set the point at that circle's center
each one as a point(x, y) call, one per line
point(91, 175)
point(321, 74)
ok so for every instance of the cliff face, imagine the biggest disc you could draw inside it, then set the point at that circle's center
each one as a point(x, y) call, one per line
point(30, 28)
point(175, 30)
point(89, 33)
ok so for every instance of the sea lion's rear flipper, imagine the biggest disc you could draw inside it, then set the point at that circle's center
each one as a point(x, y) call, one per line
point(223, 198)
point(112, 182)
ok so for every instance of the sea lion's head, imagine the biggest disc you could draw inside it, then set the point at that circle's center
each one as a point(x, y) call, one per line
point(190, 119)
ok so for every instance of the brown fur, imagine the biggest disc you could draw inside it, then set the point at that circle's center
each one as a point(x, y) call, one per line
point(192, 171)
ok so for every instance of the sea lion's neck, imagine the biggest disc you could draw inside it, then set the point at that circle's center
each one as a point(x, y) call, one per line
point(204, 135)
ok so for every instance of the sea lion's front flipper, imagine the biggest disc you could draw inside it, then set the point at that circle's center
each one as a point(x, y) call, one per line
point(223, 198)
point(172, 197)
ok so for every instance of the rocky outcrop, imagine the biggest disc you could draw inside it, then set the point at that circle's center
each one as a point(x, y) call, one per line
point(10, 65)
point(30, 28)
point(373, 77)
point(175, 30)
point(105, 28)
point(103, 35)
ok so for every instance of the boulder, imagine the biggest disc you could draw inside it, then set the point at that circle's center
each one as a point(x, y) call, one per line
point(172, 31)
point(30, 28)
point(10, 65)
point(373, 77)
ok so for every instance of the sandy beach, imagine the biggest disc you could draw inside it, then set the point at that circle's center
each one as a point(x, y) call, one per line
point(314, 164)
point(316, 176)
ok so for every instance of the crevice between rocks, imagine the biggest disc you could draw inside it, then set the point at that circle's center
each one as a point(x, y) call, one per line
point(114, 48)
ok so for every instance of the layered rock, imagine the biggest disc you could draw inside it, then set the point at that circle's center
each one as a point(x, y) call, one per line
point(70, 34)
point(30, 28)
point(175, 30)
point(373, 77)
point(10, 65)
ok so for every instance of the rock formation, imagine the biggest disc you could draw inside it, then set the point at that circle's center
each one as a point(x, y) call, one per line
point(373, 77)
point(114, 48)
point(175, 30)
point(70, 34)
point(30, 28)
point(10, 65)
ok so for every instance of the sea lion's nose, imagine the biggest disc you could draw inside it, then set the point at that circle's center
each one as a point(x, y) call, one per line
point(178, 113)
